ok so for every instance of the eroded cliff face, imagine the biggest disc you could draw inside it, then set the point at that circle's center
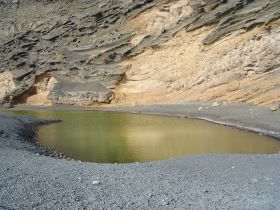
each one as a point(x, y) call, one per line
point(242, 67)
point(144, 51)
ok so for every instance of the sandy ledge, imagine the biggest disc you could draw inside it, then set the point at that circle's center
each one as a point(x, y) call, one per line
point(32, 181)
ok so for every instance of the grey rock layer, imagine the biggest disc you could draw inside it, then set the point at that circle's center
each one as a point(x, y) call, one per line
point(83, 41)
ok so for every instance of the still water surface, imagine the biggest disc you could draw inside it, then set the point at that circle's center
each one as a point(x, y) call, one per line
point(107, 137)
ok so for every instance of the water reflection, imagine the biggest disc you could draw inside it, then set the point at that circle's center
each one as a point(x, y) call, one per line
point(116, 137)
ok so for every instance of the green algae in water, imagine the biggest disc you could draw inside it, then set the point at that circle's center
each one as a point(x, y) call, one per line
point(109, 137)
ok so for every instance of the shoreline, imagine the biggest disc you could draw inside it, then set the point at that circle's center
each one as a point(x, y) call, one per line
point(237, 115)
point(212, 115)
point(32, 181)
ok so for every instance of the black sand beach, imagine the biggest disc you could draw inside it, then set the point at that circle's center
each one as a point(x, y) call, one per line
point(29, 180)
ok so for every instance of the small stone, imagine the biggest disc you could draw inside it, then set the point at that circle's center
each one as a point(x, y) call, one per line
point(165, 203)
point(150, 195)
point(95, 182)
point(258, 37)
point(200, 108)
point(216, 104)
point(267, 178)
point(233, 167)
point(255, 180)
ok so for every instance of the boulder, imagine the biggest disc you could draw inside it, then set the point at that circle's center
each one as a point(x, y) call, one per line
point(274, 106)
point(216, 104)
point(80, 93)
point(8, 105)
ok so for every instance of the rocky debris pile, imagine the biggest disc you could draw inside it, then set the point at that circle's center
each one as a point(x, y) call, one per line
point(84, 41)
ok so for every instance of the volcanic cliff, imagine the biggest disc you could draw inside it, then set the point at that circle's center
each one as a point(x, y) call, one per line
point(139, 51)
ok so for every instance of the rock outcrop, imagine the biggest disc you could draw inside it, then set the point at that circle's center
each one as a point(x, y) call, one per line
point(80, 93)
point(140, 51)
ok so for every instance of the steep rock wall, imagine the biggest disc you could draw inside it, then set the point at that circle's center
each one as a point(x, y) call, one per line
point(143, 51)
point(242, 67)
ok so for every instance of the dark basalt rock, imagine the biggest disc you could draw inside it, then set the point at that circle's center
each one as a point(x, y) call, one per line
point(237, 14)
point(84, 41)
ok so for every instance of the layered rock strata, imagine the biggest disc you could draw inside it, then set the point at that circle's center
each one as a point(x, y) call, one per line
point(141, 51)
